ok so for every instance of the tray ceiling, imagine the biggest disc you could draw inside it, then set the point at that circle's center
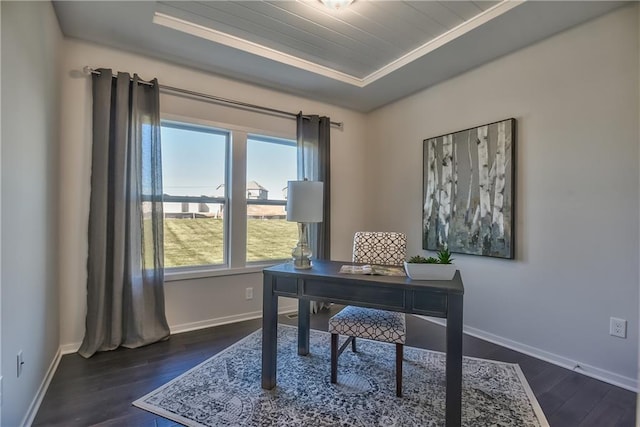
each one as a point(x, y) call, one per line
point(361, 57)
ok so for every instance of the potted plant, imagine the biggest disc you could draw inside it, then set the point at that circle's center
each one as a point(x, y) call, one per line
point(438, 268)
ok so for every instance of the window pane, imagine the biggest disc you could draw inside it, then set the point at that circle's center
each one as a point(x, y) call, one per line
point(271, 162)
point(270, 238)
point(193, 242)
point(193, 166)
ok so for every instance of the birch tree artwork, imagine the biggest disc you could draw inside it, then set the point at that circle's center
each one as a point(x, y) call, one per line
point(468, 191)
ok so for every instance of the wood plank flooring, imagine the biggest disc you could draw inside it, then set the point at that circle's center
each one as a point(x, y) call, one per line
point(99, 391)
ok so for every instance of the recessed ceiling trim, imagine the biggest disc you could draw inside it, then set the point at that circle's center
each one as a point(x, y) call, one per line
point(251, 47)
point(454, 33)
point(239, 43)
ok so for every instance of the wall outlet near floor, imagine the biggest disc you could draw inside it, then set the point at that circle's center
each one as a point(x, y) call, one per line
point(248, 293)
point(19, 363)
point(618, 327)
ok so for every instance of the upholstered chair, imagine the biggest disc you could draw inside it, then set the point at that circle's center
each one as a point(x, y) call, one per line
point(380, 248)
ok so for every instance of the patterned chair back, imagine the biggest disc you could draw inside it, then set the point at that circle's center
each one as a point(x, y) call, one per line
point(379, 247)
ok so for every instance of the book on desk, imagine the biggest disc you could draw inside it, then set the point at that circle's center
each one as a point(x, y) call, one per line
point(376, 270)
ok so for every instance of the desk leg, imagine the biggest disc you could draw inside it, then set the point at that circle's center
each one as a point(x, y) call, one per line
point(269, 333)
point(304, 310)
point(454, 361)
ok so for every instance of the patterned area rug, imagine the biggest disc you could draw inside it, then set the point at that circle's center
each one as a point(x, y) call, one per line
point(225, 390)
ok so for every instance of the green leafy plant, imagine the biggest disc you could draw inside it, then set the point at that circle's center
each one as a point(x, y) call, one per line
point(443, 257)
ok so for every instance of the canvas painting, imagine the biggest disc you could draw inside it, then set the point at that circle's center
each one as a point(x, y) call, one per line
point(468, 190)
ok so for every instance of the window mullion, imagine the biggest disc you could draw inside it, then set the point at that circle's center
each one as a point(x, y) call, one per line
point(237, 236)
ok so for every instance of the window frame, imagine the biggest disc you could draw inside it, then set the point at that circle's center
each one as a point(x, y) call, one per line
point(224, 200)
point(268, 139)
point(235, 199)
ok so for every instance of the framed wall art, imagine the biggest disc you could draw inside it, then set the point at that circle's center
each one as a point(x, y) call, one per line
point(468, 190)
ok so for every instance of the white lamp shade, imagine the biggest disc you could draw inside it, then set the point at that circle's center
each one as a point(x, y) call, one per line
point(305, 200)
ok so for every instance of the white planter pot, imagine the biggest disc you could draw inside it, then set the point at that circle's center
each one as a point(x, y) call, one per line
point(430, 271)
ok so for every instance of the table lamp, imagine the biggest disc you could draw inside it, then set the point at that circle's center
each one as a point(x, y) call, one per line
point(305, 201)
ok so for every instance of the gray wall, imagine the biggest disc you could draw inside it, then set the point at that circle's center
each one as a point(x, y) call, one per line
point(575, 98)
point(31, 42)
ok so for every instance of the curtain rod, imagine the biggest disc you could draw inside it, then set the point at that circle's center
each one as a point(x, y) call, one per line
point(88, 70)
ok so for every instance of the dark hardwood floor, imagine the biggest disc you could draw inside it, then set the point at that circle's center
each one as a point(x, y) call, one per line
point(99, 391)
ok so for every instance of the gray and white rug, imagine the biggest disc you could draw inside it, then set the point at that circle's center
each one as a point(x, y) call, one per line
point(225, 390)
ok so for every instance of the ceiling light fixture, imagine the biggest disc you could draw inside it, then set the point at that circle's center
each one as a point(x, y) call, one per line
point(336, 4)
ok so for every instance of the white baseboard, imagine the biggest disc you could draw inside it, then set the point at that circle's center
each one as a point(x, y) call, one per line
point(612, 378)
point(202, 324)
point(42, 390)
point(193, 326)
point(70, 348)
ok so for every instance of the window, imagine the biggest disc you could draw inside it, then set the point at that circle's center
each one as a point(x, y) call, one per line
point(194, 175)
point(271, 162)
point(213, 176)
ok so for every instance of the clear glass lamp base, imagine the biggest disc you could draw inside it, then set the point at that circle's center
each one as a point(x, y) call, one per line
point(301, 254)
point(301, 263)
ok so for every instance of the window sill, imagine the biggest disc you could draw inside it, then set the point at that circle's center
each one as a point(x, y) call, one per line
point(175, 276)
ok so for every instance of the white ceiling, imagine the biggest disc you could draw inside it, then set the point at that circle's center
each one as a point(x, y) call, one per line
point(361, 57)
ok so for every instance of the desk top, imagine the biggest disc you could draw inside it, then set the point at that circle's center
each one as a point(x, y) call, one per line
point(323, 269)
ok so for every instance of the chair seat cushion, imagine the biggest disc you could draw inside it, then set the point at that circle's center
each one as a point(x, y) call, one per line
point(371, 323)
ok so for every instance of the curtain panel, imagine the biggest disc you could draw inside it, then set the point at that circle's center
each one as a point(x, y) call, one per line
point(125, 271)
point(314, 141)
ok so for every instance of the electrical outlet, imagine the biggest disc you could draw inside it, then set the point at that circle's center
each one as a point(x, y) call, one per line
point(618, 327)
point(248, 293)
point(19, 363)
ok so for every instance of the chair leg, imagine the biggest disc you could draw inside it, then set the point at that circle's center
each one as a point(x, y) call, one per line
point(334, 358)
point(353, 344)
point(399, 351)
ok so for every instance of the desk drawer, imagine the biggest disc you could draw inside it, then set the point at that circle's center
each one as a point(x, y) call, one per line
point(429, 303)
point(286, 286)
point(378, 296)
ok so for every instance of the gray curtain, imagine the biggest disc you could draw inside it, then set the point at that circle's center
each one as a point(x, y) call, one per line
point(314, 137)
point(125, 271)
